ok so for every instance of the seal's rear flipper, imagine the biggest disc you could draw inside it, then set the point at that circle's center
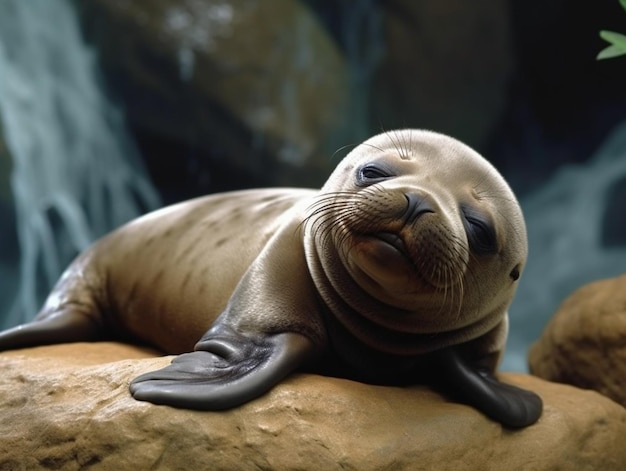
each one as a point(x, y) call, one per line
point(62, 327)
point(504, 403)
point(226, 370)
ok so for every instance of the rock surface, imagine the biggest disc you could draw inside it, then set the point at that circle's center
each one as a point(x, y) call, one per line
point(68, 407)
point(259, 85)
point(584, 344)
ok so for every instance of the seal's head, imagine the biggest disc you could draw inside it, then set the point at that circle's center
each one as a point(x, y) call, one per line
point(429, 233)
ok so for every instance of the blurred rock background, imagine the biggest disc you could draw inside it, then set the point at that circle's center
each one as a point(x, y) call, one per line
point(203, 96)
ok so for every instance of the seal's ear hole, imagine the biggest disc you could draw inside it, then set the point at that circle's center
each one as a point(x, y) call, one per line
point(515, 273)
point(372, 173)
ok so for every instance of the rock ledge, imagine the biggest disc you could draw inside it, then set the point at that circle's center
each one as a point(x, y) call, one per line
point(68, 407)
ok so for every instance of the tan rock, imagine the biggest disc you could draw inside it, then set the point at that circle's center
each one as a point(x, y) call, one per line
point(67, 407)
point(584, 344)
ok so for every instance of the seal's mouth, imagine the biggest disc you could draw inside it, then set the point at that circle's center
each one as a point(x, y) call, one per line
point(394, 240)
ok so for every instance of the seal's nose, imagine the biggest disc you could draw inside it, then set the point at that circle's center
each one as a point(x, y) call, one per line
point(417, 205)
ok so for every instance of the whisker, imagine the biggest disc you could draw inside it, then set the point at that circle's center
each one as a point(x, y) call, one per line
point(342, 148)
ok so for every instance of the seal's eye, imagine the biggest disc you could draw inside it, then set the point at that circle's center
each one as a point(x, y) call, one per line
point(515, 273)
point(481, 234)
point(371, 173)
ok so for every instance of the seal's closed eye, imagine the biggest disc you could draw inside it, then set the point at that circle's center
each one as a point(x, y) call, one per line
point(481, 234)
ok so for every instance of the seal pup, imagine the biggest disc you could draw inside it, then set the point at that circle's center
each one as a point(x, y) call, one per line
point(400, 270)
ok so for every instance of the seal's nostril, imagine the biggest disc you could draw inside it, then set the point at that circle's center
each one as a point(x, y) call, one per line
point(416, 206)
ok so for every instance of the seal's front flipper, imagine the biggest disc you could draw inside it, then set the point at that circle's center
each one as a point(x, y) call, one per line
point(226, 370)
point(64, 326)
point(504, 403)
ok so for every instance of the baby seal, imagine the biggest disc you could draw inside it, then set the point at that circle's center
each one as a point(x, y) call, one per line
point(400, 270)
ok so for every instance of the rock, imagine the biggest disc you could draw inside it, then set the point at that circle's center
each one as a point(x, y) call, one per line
point(256, 86)
point(584, 344)
point(68, 407)
point(447, 67)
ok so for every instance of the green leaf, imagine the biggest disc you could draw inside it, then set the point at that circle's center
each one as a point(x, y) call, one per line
point(610, 52)
point(614, 38)
point(623, 4)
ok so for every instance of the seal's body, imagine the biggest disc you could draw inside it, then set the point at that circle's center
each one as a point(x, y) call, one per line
point(399, 270)
point(189, 257)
